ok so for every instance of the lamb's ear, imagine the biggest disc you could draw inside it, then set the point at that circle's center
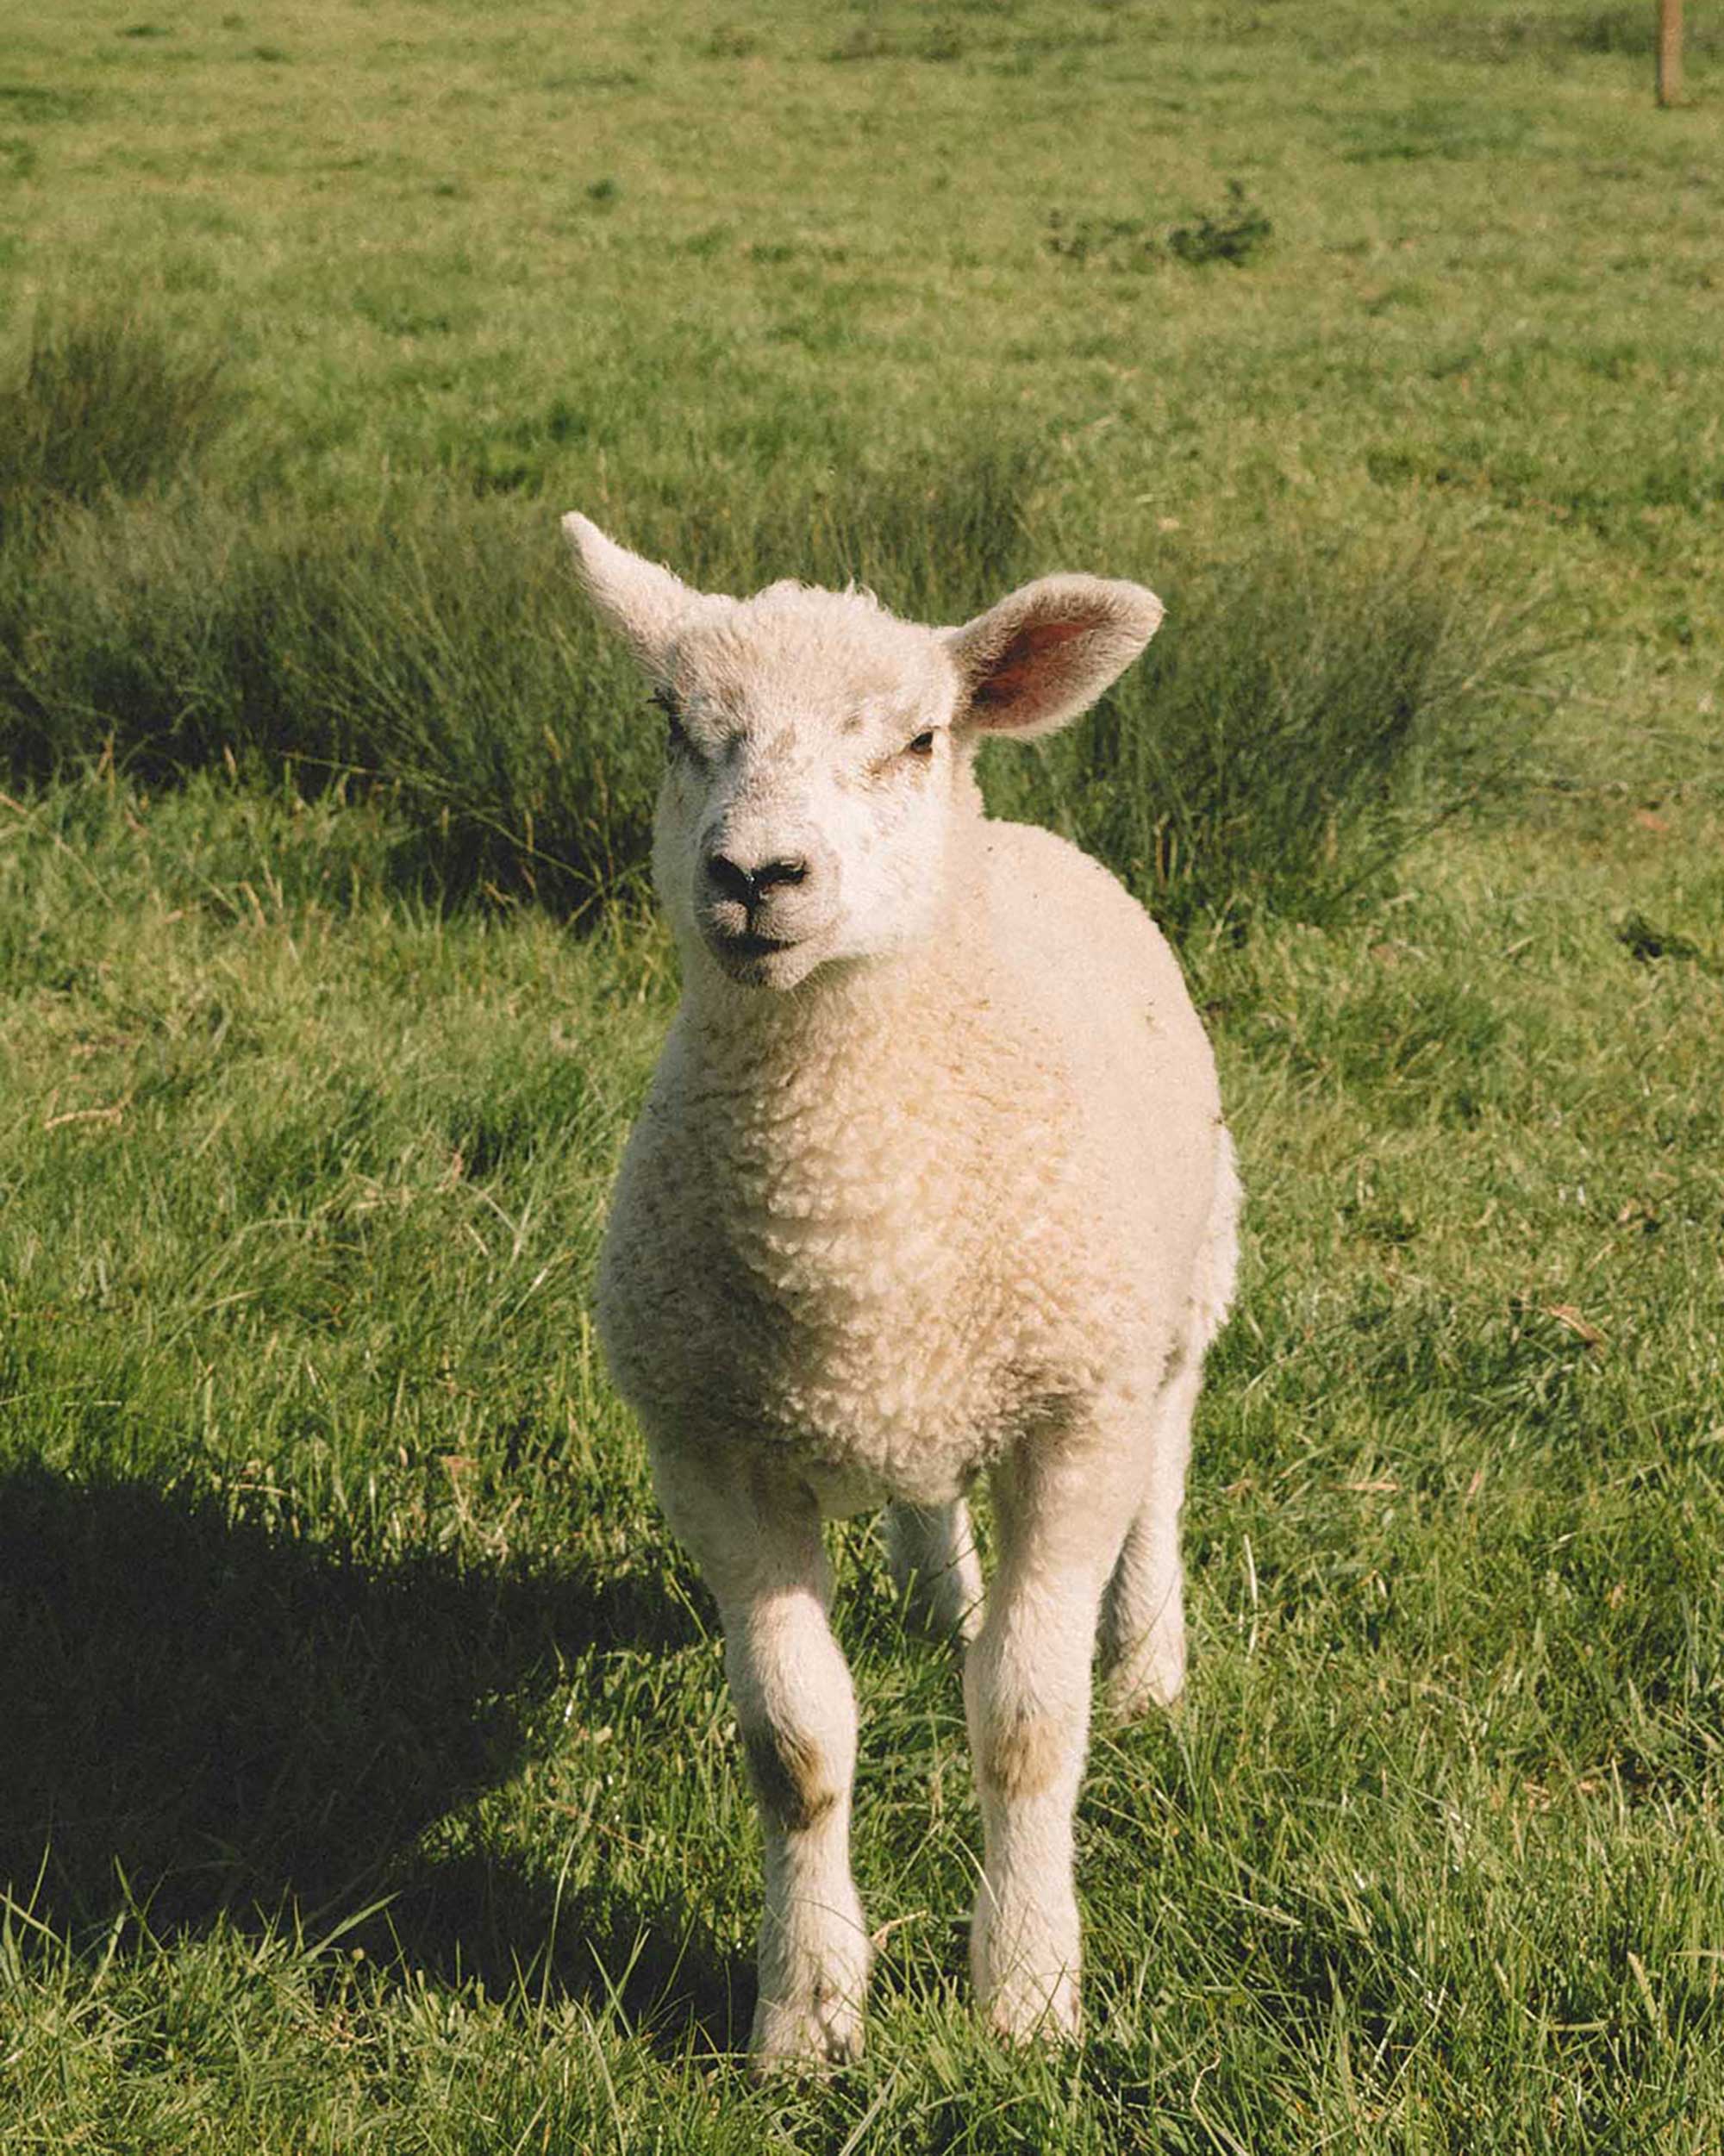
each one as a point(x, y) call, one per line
point(644, 602)
point(1039, 658)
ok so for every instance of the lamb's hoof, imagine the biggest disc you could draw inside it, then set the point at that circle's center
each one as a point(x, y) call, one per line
point(805, 2036)
point(1027, 2009)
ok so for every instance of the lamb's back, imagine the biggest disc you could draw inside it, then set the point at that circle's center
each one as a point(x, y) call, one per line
point(1103, 983)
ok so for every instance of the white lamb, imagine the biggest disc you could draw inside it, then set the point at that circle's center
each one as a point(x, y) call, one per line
point(931, 1183)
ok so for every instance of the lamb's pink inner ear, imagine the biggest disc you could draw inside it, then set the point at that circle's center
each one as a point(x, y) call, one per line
point(1016, 673)
point(1034, 661)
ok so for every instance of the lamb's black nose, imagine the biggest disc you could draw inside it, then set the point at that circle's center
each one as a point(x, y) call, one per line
point(747, 884)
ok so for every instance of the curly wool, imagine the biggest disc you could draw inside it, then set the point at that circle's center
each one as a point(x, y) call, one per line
point(905, 1222)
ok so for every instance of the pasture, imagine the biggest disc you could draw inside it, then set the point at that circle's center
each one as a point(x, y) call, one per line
point(366, 1775)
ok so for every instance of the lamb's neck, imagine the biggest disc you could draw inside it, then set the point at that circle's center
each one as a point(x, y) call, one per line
point(822, 1116)
point(900, 1012)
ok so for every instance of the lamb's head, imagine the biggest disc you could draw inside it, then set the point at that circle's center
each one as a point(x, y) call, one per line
point(819, 749)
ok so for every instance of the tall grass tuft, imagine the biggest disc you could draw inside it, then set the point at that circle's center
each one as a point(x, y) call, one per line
point(1301, 716)
point(104, 401)
point(435, 652)
point(434, 659)
point(1297, 715)
point(938, 532)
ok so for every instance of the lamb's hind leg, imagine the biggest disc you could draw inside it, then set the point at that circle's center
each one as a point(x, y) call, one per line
point(759, 1545)
point(935, 1567)
point(1143, 1623)
point(1143, 1619)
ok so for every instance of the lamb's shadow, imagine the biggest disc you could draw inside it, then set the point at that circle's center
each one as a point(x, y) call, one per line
point(209, 1720)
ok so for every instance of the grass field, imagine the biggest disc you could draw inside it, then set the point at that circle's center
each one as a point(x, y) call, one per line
point(366, 1775)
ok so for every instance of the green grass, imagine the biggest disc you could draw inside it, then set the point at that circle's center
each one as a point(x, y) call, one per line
point(366, 1775)
point(1319, 701)
point(105, 405)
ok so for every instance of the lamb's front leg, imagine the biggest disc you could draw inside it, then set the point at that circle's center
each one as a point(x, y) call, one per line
point(1026, 1690)
point(797, 1713)
point(759, 1544)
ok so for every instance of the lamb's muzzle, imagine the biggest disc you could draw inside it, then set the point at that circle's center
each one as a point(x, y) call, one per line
point(961, 1206)
point(761, 897)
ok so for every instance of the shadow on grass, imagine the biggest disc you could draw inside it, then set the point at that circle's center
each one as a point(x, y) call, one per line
point(652, 1960)
point(203, 1720)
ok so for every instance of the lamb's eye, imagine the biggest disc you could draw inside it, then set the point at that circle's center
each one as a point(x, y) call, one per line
point(676, 741)
point(923, 746)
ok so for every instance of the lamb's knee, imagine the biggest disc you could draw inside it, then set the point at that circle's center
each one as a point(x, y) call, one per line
point(1022, 1752)
point(791, 1777)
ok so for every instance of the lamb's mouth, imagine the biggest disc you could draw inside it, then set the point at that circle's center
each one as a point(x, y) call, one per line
point(764, 961)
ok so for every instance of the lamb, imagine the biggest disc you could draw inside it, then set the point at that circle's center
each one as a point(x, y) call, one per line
point(932, 1184)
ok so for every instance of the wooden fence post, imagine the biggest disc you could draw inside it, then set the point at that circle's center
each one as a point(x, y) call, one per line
point(1670, 52)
